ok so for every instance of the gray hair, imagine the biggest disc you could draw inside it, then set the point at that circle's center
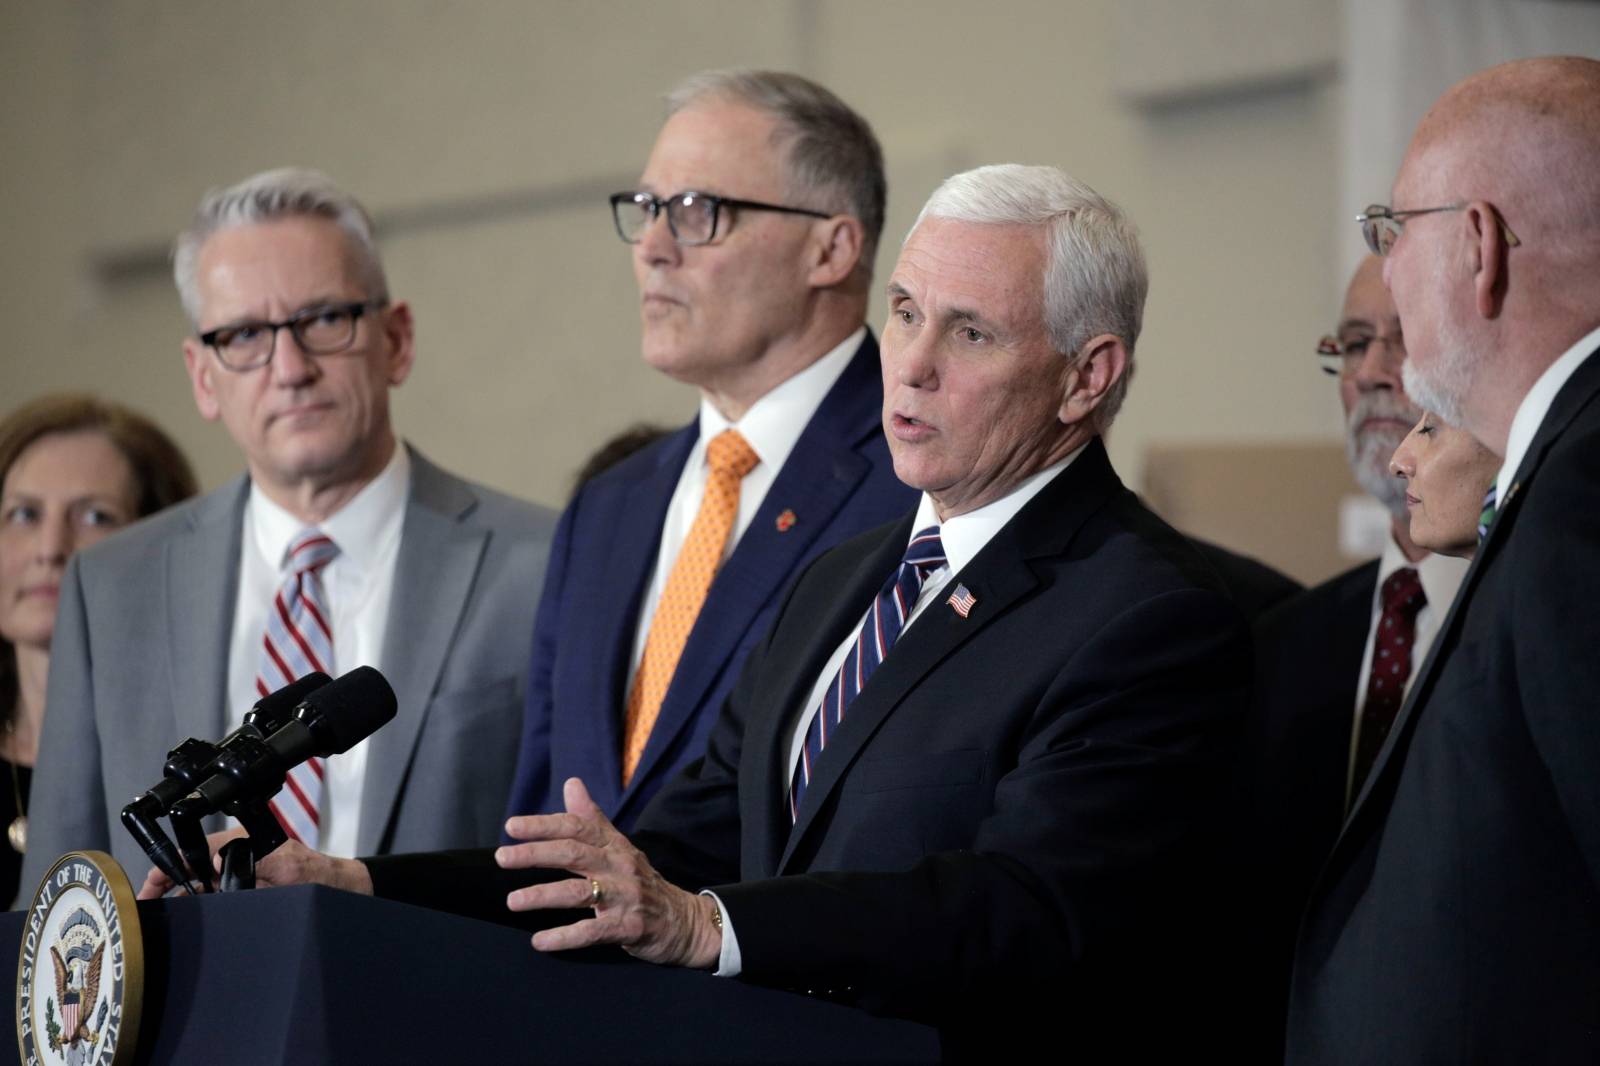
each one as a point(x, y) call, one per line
point(288, 192)
point(831, 151)
point(1095, 279)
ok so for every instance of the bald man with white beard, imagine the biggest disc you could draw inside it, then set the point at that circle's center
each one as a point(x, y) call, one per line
point(1456, 919)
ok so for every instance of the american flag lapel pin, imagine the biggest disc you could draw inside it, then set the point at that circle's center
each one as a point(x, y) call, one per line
point(962, 600)
point(786, 521)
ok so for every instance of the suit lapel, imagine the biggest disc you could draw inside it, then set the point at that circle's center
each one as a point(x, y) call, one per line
point(438, 559)
point(1578, 393)
point(999, 575)
point(201, 588)
point(838, 612)
point(821, 473)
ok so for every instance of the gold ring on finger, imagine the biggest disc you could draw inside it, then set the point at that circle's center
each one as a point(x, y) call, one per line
point(596, 893)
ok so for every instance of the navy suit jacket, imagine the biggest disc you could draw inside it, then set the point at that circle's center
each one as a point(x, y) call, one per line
point(1458, 917)
point(838, 481)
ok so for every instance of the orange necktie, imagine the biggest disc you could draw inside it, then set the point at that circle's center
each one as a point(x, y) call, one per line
point(730, 458)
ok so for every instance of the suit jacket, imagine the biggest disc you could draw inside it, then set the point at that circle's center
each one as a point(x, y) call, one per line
point(1254, 586)
point(1001, 837)
point(838, 481)
point(1458, 918)
point(1296, 758)
point(140, 653)
point(1297, 750)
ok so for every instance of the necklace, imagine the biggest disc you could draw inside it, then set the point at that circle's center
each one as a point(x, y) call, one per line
point(17, 831)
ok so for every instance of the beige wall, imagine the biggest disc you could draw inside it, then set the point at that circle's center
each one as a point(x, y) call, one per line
point(484, 135)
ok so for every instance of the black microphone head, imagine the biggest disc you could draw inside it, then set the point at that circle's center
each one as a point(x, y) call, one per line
point(349, 710)
point(276, 708)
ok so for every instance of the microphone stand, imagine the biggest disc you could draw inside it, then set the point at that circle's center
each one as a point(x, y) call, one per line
point(263, 834)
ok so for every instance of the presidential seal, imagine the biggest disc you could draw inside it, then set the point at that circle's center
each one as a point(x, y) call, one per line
point(80, 977)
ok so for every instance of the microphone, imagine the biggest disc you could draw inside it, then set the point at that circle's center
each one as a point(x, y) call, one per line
point(188, 765)
point(329, 721)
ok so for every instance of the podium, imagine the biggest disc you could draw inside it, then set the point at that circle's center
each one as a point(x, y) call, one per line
point(313, 975)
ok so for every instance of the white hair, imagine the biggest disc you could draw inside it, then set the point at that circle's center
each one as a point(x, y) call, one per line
point(1370, 450)
point(288, 192)
point(1095, 279)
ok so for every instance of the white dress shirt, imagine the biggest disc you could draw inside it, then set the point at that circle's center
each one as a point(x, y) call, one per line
point(771, 427)
point(1536, 404)
point(358, 582)
point(1440, 575)
point(963, 537)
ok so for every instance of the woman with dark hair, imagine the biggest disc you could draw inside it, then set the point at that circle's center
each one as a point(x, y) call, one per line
point(73, 469)
point(1447, 474)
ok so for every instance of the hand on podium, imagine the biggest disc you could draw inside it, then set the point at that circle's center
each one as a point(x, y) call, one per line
point(291, 863)
point(634, 906)
point(157, 884)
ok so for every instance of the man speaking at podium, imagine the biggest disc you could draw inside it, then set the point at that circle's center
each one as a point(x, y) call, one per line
point(988, 830)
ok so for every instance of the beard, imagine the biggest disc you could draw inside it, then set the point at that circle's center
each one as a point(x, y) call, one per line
point(1443, 388)
point(1369, 448)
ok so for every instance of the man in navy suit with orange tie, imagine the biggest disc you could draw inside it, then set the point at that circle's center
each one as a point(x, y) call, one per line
point(753, 231)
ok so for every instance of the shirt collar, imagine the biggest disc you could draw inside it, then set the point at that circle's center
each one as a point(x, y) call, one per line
point(1440, 574)
point(965, 535)
point(774, 423)
point(361, 528)
point(1536, 404)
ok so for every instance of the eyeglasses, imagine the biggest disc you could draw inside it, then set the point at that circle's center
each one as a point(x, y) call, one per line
point(322, 330)
point(1340, 357)
point(691, 216)
point(1381, 225)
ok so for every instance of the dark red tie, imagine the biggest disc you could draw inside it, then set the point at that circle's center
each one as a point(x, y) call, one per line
point(1402, 598)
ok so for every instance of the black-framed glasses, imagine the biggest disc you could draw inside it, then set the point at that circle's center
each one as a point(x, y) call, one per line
point(693, 217)
point(1339, 356)
point(1381, 225)
point(324, 329)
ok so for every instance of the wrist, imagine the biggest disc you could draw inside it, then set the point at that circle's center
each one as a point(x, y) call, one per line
point(352, 875)
point(708, 944)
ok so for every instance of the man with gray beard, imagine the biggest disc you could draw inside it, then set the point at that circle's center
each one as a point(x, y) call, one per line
point(1333, 664)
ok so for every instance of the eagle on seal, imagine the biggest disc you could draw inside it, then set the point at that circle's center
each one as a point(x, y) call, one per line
point(77, 1000)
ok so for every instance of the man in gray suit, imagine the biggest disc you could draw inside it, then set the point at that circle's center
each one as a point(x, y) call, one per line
point(354, 548)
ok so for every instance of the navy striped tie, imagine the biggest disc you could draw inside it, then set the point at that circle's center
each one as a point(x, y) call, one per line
point(879, 631)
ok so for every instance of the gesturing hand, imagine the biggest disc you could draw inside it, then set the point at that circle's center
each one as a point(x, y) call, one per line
point(636, 907)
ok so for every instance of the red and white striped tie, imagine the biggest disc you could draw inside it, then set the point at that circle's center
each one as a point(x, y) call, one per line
point(298, 640)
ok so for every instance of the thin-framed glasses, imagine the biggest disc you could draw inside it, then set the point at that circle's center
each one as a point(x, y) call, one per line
point(1339, 357)
point(1381, 225)
point(325, 329)
point(693, 217)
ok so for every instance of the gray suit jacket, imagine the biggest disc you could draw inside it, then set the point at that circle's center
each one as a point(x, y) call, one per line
point(140, 653)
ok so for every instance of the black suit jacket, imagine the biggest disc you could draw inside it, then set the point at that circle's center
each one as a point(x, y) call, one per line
point(1458, 919)
point(1295, 762)
point(1254, 586)
point(1297, 740)
point(1002, 838)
